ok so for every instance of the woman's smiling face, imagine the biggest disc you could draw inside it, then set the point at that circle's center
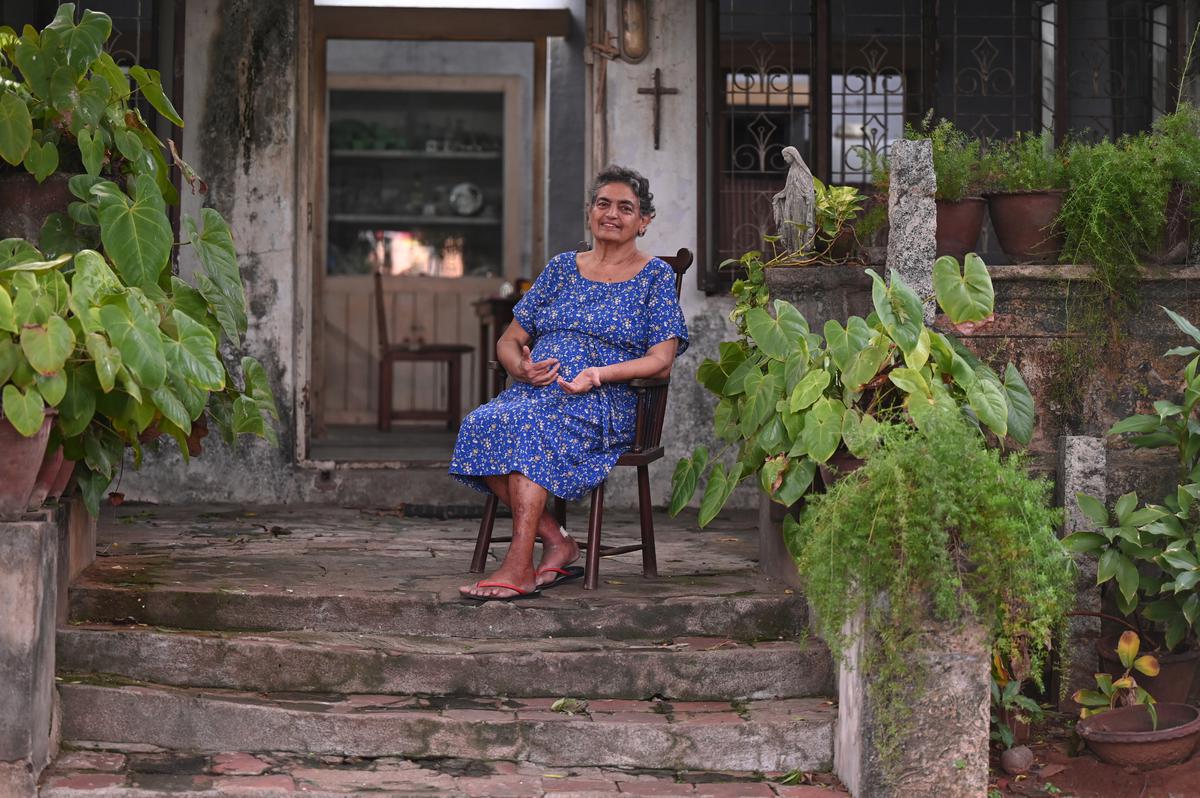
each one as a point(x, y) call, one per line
point(615, 216)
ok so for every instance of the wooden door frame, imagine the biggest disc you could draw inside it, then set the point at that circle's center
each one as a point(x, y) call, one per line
point(317, 25)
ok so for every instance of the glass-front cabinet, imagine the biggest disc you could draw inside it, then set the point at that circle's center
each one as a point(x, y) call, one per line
point(423, 177)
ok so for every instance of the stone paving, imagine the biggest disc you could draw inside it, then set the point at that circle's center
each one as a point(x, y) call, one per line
point(129, 774)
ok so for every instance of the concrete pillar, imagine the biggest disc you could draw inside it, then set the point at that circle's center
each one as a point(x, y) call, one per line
point(28, 605)
point(912, 215)
point(1082, 468)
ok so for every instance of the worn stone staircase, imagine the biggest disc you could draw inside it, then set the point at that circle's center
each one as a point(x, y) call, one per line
point(325, 643)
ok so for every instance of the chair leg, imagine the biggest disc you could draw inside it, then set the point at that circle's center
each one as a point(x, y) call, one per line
point(591, 577)
point(454, 389)
point(484, 541)
point(649, 558)
point(560, 511)
point(385, 395)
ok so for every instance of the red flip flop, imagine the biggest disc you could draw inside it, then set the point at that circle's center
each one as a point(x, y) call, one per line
point(565, 575)
point(520, 594)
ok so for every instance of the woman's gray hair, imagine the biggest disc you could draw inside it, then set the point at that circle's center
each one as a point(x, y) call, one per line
point(628, 177)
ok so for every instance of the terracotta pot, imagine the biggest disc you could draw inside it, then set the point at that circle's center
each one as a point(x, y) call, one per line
point(25, 204)
point(1173, 246)
point(1020, 728)
point(1172, 685)
point(46, 475)
point(1126, 736)
point(62, 479)
point(958, 225)
point(838, 466)
point(20, 459)
point(1024, 221)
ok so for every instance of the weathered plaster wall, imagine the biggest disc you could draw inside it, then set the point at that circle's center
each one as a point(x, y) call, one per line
point(239, 104)
point(673, 174)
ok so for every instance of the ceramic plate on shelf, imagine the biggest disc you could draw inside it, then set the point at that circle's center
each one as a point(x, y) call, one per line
point(466, 199)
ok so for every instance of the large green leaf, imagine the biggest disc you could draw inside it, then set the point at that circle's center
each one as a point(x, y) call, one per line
point(35, 66)
point(808, 390)
point(91, 488)
point(137, 337)
point(1183, 324)
point(796, 480)
point(10, 358)
point(107, 360)
point(91, 149)
point(716, 491)
point(845, 343)
point(988, 401)
point(14, 251)
point(150, 84)
point(899, 309)
point(93, 99)
point(64, 90)
point(52, 387)
point(860, 432)
point(78, 405)
point(823, 429)
point(221, 283)
point(866, 364)
point(137, 235)
point(965, 295)
point(683, 481)
point(767, 333)
point(48, 347)
point(81, 44)
point(25, 410)
point(8, 320)
point(38, 265)
point(41, 160)
point(16, 128)
point(93, 281)
point(1092, 508)
point(172, 408)
point(911, 381)
point(103, 450)
point(1020, 406)
point(113, 75)
point(193, 353)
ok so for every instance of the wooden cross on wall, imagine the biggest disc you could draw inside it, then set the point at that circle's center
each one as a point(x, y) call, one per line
point(658, 91)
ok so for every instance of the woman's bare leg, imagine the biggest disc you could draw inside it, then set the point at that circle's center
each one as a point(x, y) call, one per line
point(558, 550)
point(528, 502)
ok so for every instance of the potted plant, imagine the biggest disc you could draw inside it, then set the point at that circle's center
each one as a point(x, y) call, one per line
point(935, 530)
point(1026, 178)
point(956, 160)
point(1123, 724)
point(93, 323)
point(791, 398)
point(1150, 555)
point(834, 212)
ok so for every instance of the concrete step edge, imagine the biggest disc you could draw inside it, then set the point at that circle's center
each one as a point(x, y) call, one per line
point(751, 736)
point(690, 669)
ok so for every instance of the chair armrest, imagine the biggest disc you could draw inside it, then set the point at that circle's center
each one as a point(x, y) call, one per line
point(650, 382)
point(494, 365)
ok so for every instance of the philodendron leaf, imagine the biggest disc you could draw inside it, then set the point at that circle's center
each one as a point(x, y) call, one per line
point(1093, 508)
point(683, 485)
point(808, 390)
point(10, 357)
point(988, 401)
point(767, 333)
point(52, 388)
point(193, 354)
point(137, 337)
point(150, 84)
point(910, 381)
point(91, 150)
point(82, 43)
point(137, 235)
point(78, 405)
point(48, 347)
point(866, 364)
point(37, 265)
point(23, 409)
point(172, 408)
point(93, 99)
point(965, 295)
point(221, 282)
point(113, 75)
point(41, 160)
point(16, 128)
point(796, 480)
point(107, 360)
point(1020, 406)
point(860, 433)
point(823, 429)
point(14, 251)
point(900, 310)
point(8, 320)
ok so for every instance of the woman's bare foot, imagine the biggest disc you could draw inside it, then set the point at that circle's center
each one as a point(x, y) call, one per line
point(488, 587)
point(558, 551)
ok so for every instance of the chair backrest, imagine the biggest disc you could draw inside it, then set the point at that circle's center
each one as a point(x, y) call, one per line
point(681, 261)
point(380, 311)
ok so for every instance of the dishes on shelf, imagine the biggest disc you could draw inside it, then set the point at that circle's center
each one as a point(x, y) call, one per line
point(466, 199)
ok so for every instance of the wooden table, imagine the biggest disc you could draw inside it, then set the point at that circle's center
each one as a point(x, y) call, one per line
point(494, 313)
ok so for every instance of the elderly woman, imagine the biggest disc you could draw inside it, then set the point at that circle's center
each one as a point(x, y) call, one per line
point(591, 322)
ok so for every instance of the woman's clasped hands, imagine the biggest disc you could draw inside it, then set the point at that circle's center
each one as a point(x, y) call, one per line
point(541, 373)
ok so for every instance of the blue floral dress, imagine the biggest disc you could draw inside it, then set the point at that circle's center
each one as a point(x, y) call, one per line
point(568, 443)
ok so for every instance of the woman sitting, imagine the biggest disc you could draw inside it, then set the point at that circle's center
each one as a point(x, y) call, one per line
point(591, 322)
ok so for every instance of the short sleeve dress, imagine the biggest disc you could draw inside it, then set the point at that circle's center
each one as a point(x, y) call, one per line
point(568, 443)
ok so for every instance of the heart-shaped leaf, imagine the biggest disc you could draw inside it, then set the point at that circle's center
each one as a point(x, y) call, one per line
point(113, 75)
point(910, 381)
point(137, 337)
point(82, 43)
point(823, 429)
point(150, 84)
point(766, 332)
point(172, 408)
point(34, 66)
point(16, 128)
point(899, 309)
point(1020, 406)
point(221, 283)
point(91, 149)
point(48, 346)
point(23, 409)
point(10, 358)
point(866, 364)
point(41, 160)
point(796, 480)
point(78, 405)
point(14, 251)
point(963, 295)
point(8, 320)
point(137, 235)
point(64, 90)
point(52, 388)
point(987, 400)
point(93, 99)
point(107, 360)
point(193, 354)
point(808, 390)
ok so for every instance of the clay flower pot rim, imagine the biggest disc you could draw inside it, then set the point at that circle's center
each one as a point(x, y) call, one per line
point(1085, 730)
point(1107, 647)
point(969, 198)
point(1023, 192)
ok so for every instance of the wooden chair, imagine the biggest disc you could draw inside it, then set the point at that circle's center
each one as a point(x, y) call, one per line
point(389, 354)
point(646, 448)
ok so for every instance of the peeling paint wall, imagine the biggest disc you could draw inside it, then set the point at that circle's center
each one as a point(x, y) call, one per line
point(240, 107)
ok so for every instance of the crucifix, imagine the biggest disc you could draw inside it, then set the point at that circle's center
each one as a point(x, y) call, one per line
point(658, 91)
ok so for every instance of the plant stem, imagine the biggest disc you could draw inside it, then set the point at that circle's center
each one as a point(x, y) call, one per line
point(1113, 618)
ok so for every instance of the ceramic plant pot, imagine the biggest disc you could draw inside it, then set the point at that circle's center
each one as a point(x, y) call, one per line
point(20, 460)
point(62, 479)
point(51, 463)
point(958, 225)
point(1172, 685)
point(1127, 737)
point(1024, 223)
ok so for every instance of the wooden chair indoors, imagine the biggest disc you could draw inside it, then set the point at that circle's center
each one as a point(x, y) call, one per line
point(390, 354)
point(646, 448)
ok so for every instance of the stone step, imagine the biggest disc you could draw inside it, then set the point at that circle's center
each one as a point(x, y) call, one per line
point(168, 774)
point(777, 735)
point(692, 669)
point(660, 609)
